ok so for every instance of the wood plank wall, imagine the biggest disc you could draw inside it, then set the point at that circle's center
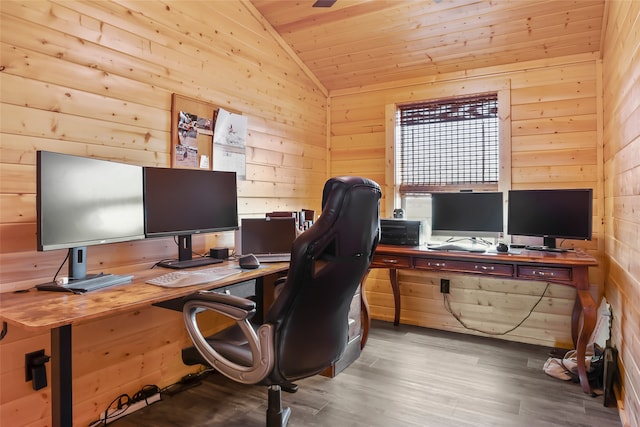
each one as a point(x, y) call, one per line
point(621, 71)
point(555, 143)
point(95, 79)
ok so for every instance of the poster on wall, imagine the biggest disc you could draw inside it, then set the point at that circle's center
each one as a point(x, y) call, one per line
point(186, 150)
point(229, 143)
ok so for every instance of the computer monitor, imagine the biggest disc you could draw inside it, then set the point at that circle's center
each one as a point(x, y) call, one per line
point(467, 214)
point(184, 202)
point(551, 214)
point(267, 236)
point(83, 201)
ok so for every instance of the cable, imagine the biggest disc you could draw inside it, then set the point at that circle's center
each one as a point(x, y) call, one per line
point(120, 408)
point(55, 276)
point(188, 381)
point(447, 306)
point(123, 402)
point(146, 392)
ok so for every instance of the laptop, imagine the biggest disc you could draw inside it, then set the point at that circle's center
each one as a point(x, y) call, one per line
point(269, 239)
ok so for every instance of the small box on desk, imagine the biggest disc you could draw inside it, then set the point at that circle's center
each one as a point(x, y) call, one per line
point(400, 232)
point(219, 253)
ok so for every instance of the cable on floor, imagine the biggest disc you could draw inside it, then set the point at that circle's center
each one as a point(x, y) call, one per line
point(447, 306)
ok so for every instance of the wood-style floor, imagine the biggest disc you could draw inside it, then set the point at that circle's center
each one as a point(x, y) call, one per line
point(406, 376)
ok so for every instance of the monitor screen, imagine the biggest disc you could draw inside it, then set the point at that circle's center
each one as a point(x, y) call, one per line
point(267, 235)
point(189, 201)
point(84, 201)
point(467, 214)
point(551, 214)
point(183, 202)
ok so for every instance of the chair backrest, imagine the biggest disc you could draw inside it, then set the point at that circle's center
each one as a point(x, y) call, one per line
point(328, 262)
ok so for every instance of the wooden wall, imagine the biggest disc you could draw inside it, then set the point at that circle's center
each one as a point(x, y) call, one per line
point(621, 71)
point(95, 79)
point(554, 121)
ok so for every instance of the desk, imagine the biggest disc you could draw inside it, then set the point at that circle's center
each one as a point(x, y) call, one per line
point(565, 268)
point(58, 312)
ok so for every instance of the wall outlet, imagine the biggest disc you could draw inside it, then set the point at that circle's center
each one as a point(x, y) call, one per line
point(444, 286)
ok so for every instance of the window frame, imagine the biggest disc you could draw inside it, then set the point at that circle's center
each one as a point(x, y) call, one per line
point(450, 90)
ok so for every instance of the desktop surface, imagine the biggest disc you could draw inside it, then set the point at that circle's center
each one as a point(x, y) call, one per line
point(41, 310)
point(573, 257)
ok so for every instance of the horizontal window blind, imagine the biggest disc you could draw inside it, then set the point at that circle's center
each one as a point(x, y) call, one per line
point(448, 144)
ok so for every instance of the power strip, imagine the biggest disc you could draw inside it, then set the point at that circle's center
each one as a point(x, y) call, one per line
point(119, 413)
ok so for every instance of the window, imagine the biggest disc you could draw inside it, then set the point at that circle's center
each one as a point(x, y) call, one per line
point(448, 145)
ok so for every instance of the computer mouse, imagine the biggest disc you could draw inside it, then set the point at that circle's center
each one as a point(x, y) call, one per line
point(501, 247)
point(248, 261)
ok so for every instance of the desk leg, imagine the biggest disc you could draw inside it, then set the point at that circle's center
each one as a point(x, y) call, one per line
point(61, 387)
point(584, 299)
point(576, 315)
point(395, 288)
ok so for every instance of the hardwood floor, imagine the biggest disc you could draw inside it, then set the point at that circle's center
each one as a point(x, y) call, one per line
point(406, 376)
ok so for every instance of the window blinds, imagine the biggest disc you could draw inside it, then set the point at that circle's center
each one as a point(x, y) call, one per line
point(448, 143)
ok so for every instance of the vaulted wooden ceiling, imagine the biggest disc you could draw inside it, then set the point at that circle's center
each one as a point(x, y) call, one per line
point(357, 43)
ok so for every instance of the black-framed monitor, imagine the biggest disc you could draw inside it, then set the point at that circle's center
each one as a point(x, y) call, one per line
point(551, 214)
point(467, 214)
point(82, 201)
point(184, 202)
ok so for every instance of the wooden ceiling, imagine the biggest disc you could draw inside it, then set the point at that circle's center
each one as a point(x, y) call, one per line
point(357, 43)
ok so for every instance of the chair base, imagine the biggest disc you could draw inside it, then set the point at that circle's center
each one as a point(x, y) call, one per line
point(289, 387)
point(277, 416)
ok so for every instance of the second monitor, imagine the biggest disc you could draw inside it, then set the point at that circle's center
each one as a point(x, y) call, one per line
point(467, 214)
point(184, 202)
point(269, 239)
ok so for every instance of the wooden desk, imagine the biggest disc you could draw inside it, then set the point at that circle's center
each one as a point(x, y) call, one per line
point(565, 268)
point(58, 312)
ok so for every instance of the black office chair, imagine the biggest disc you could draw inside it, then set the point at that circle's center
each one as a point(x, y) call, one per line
point(306, 328)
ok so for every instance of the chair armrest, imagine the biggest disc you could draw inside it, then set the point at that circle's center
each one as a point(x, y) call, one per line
point(260, 342)
point(232, 306)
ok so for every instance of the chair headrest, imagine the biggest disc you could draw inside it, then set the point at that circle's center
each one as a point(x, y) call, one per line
point(345, 183)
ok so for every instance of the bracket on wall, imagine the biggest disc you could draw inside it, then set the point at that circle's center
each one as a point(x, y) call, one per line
point(35, 369)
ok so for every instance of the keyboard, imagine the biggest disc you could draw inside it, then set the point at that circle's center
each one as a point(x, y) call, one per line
point(456, 247)
point(99, 282)
point(179, 279)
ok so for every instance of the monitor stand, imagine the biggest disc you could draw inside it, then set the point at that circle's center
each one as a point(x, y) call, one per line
point(185, 257)
point(548, 245)
point(188, 263)
point(77, 259)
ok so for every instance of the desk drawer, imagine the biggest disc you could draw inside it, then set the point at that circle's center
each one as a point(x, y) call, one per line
point(479, 267)
point(542, 273)
point(391, 261)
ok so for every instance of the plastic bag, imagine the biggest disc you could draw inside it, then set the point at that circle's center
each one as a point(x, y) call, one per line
point(566, 368)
